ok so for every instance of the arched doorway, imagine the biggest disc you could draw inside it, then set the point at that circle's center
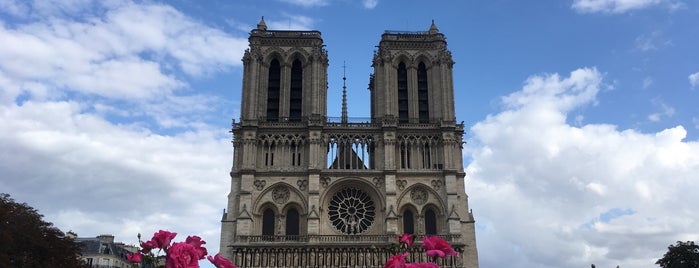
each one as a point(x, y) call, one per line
point(268, 224)
point(430, 222)
point(292, 224)
point(408, 222)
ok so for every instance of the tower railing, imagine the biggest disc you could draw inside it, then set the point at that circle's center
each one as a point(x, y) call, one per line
point(284, 122)
point(318, 255)
point(332, 238)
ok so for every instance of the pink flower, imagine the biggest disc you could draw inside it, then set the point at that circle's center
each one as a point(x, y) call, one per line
point(396, 261)
point(421, 265)
point(134, 258)
point(148, 246)
point(182, 255)
point(221, 262)
point(437, 247)
point(406, 239)
point(196, 242)
point(162, 239)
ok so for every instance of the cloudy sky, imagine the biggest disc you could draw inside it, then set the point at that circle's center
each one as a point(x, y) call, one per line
point(582, 120)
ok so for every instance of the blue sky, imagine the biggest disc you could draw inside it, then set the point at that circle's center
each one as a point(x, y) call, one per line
point(582, 126)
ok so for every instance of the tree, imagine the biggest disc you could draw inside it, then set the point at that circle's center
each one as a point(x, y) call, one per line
point(28, 241)
point(681, 255)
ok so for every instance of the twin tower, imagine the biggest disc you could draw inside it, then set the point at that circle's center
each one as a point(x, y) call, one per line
point(308, 190)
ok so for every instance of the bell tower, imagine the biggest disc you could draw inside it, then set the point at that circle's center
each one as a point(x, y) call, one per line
point(312, 190)
point(412, 97)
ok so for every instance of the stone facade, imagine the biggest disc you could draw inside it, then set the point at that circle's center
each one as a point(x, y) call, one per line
point(311, 190)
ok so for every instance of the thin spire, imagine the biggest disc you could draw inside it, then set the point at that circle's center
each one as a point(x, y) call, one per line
point(344, 93)
point(262, 26)
point(433, 28)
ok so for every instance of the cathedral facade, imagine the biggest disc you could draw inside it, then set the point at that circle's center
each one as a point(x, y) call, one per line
point(308, 190)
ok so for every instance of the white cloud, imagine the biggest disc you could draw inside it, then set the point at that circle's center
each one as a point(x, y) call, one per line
point(652, 41)
point(665, 111)
point(87, 89)
point(370, 4)
point(292, 22)
point(694, 79)
point(308, 3)
point(595, 193)
point(118, 175)
point(130, 53)
point(647, 82)
point(621, 6)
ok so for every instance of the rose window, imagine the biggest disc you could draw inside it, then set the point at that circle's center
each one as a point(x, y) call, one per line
point(351, 211)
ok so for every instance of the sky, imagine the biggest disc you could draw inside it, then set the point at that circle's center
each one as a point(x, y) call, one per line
point(582, 129)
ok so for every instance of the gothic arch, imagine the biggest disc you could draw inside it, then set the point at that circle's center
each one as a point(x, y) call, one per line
point(438, 220)
point(425, 58)
point(265, 197)
point(433, 199)
point(412, 210)
point(272, 53)
point(405, 57)
point(297, 53)
point(263, 222)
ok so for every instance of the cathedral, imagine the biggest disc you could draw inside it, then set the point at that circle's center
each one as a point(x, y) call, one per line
point(309, 190)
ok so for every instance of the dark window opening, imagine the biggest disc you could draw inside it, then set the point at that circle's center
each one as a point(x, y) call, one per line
point(292, 224)
point(268, 224)
point(430, 222)
point(422, 94)
point(296, 97)
point(408, 226)
point(402, 93)
point(273, 85)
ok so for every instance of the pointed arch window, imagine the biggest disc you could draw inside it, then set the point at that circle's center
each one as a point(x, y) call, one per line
point(430, 222)
point(402, 93)
point(422, 94)
point(408, 222)
point(296, 93)
point(273, 86)
point(268, 224)
point(292, 223)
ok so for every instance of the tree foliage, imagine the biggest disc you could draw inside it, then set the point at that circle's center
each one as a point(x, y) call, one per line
point(681, 255)
point(28, 241)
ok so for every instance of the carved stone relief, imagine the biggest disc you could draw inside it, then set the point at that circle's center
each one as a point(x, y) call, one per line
point(436, 184)
point(302, 184)
point(401, 184)
point(259, 184)
point(419, 195)
point(324, 181)
point(378, 181)
point(280, 194)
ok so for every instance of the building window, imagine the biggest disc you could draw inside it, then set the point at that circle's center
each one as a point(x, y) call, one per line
point(295, 154)
point(404, 156)
point(270, 148)
point(296, 93)
point(408, 222)
point(430, 222)
point(402, 93)
point(292, 223)
point(422, 94)
point(268, 224)
point(273, 85)
point(351, 211)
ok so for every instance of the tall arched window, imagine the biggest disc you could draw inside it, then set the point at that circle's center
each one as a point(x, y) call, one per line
point(292, 223)
point(430, 222)
point(296, 97)
point(402, 93)
point(268, 224)
point(422, 94)
point(408, 225)
point(273, 85)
